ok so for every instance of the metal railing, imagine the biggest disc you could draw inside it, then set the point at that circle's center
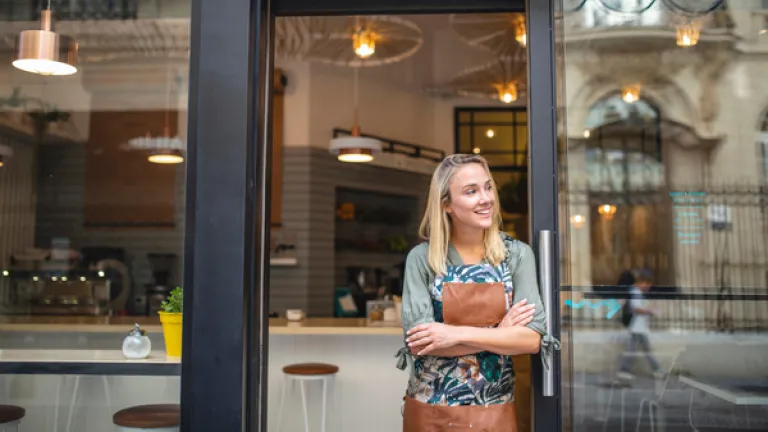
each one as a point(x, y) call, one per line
point(717, 309)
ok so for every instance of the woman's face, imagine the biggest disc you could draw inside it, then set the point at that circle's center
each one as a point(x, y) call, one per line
point(471, 197)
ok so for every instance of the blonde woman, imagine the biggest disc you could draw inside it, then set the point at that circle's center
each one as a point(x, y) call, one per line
point(470, 302)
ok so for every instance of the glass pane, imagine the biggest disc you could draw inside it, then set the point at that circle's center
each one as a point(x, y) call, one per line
point(92, 186)
point(498, 117)
point(664, 258)
point(344, 229)
point(465, 139)
point(495, 138)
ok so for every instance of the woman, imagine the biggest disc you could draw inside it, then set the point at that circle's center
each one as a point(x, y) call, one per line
point(470, 302)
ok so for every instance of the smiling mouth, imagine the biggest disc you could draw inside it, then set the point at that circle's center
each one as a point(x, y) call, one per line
point(484, 212)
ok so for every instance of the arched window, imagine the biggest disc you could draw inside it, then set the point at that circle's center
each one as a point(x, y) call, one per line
point(624, 150)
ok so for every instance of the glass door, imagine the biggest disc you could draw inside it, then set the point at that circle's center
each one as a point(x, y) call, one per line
point(661, 171)
point(432, 83)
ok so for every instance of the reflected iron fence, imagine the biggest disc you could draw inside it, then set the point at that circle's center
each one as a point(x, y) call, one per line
point(26, 10)
point(706, 246)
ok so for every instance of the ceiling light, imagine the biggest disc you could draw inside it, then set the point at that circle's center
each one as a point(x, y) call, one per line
point(520, 31)
point(166, 157)
point(490, 133)
point(45, 52)
point(508, 93)
point(163, 149)
point(355, 148)
point(476, 150)
point(364, 43)
point(587, 133)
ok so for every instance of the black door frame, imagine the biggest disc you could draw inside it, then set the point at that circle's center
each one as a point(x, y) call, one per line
point(226, 269)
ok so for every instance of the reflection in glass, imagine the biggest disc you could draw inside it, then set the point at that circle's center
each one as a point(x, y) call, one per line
point(91, 230)
point(660, 181)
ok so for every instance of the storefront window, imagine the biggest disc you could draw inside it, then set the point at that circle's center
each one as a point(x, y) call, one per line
point(92, 209)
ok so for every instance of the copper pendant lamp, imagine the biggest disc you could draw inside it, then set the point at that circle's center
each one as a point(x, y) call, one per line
point(45, 52)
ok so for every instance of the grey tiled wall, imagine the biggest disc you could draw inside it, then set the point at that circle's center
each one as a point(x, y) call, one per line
point(309, 207)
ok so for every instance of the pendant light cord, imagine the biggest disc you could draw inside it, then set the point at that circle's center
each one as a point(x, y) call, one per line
point(167, 128)
point(355, 92)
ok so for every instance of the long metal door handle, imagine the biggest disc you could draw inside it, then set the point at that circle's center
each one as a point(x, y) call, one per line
point(546, 281)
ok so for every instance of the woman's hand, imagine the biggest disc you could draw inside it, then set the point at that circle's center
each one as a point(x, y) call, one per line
point(520, 314)
point(426, 338)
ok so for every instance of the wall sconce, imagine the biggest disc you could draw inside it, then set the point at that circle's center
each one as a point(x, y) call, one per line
point(607, 211)
point(578, 221)
point(687, 35)
point(631, 93)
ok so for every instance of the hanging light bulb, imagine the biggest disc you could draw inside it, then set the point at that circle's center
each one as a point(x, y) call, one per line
point(687, 35)
point(364, 43)
point(508, 92)
point(631, 94)
point(520, 31)
point(44, 52)
point(476, 150)
point(490, 133)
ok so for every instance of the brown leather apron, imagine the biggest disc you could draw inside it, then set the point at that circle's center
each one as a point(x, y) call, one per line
point(474, 305)
point(421, 417)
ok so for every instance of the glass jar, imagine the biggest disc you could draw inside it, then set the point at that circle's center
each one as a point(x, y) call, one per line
point(137, 344)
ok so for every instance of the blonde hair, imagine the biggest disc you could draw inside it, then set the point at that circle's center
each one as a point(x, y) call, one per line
point(436, 224)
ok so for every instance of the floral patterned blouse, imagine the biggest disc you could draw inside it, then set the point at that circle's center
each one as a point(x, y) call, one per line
point(477, 379)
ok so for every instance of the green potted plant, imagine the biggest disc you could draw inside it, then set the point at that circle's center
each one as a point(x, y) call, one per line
point(171, 319)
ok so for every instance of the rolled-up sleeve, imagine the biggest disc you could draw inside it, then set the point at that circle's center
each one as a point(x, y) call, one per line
point(523, 268)
point(417, 303)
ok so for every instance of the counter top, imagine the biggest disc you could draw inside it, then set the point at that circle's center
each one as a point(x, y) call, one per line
point(85, 362)
point(277, 326)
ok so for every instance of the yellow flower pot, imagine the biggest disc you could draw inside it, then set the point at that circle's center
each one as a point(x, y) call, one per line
point(171, 333)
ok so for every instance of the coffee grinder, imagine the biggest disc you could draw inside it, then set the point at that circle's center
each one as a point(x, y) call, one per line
point(162, 267)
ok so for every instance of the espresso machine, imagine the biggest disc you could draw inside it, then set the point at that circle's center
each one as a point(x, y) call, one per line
point(163, 265)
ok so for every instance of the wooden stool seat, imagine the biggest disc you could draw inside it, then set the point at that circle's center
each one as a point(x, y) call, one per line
point(10, 413)
point(311, 369)
point(149, 416)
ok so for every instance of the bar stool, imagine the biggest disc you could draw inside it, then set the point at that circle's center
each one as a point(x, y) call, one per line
point(307, 372)
point(10, 417)
point(149, 418)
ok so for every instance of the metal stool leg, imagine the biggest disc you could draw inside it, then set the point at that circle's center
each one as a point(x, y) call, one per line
point(325, 388)
point(286, 382)
point(304, 404)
